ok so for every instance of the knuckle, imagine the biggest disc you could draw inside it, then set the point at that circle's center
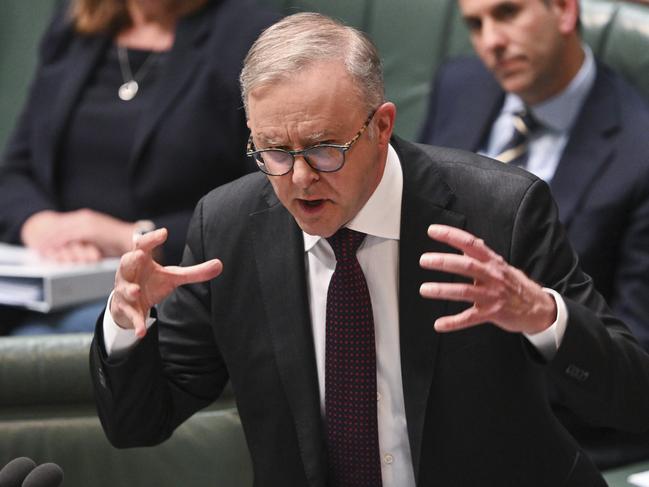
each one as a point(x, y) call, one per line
point(466, 291)
point(474, 242)
point(138, 255)
point(126, 259)
point(470, 266)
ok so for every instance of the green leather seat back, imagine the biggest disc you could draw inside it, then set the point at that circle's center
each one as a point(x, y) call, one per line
point(618, 32)
point(21, 25)
point(43, 371)
point(47, 413)
point(209, 450)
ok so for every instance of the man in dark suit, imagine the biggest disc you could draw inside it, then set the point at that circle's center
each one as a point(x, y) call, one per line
point(591, 145)
point(462, 333)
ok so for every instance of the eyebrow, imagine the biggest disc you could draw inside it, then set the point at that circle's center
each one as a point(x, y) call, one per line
point(310, 139)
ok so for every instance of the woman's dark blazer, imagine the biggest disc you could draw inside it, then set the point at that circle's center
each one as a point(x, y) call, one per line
point(190, 139)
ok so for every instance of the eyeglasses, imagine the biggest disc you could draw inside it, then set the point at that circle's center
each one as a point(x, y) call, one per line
point(321, 157)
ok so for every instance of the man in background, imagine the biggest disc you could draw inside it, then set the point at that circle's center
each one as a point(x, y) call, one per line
point(537, 98)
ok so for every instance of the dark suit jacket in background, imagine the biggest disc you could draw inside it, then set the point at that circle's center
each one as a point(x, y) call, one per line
point(475, 400)
point(601, 184)
point(190, 139)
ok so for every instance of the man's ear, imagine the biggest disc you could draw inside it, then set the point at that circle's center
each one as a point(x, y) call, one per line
point(567, 12)
point(384, 118)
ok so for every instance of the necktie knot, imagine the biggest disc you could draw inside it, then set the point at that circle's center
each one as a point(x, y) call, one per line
point(345, 243)
point(525, 123)
point(515, 152)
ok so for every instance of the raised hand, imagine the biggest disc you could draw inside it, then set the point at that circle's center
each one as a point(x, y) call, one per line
point(500, 293)
point(140, 282)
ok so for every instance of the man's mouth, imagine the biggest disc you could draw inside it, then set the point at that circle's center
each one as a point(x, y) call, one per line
point(311, 205)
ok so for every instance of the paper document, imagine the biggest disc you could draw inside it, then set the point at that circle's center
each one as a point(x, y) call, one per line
point(28, 281)
point(641, 479)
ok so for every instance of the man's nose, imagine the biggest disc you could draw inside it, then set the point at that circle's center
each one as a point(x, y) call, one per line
point(492, 36)
point(303, 175)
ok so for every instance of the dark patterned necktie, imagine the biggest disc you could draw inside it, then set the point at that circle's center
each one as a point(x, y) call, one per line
point(350, 371)
point(516, 152)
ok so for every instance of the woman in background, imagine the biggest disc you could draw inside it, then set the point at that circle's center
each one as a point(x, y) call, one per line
point(133, 115)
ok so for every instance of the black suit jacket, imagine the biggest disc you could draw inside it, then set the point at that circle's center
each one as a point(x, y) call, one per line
point(475, 400)
point(601, 184)
point(190, 139)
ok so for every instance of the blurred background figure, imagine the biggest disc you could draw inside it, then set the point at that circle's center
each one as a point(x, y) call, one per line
point(539, 99)
point(134, 113)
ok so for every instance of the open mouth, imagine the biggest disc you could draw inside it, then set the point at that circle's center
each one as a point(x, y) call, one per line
point(311, 205)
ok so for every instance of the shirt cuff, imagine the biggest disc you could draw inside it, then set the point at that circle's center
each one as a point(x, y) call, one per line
point(118, 340)
point(547, 342)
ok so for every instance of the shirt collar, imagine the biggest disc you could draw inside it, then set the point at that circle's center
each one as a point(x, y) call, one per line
point(381, 214)
point(560, 112)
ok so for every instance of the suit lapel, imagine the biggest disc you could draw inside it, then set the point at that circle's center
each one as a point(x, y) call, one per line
point(425, 201)
point(588, 149)
point(84, 56)
point(183, 61)
point(478, 106)
point(283, 286)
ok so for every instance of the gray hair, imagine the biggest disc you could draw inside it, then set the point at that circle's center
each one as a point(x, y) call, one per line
point(299, 40)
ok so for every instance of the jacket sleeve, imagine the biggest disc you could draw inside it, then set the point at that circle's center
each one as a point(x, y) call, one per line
point(600, 372)
point(141, 397)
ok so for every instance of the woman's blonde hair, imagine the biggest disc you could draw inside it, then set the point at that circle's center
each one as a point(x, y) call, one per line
point(99, 16)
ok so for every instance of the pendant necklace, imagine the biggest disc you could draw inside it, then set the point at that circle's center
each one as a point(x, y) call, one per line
point(130, 87)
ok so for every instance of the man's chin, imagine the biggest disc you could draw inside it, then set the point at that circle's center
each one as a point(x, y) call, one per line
point(323, 231)
point(516, 82)
point(317, 228)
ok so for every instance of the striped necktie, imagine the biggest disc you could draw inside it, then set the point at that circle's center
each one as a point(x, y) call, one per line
point(516, 152)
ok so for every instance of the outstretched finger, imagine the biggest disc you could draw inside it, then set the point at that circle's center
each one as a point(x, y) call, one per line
point(463, 241)
point(139, 321)
point(127, 316)
point(462, 265)
point(196, 273)
point(456, 292)
point(466, 319)
point(149, 241)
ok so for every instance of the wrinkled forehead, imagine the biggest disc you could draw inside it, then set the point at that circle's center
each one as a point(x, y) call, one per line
point(323, 96)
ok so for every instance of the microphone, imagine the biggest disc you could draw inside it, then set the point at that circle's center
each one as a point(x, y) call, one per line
point(14, 472)
point(45, 475)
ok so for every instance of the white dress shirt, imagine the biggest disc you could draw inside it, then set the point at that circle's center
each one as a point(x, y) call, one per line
point(378, 257)
point(557, 116)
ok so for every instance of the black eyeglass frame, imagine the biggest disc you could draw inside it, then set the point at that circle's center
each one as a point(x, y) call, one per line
point(343, 148)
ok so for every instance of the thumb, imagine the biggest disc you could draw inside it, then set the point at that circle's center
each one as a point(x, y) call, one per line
point(196, 273)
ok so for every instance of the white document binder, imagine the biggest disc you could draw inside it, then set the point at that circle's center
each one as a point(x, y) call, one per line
point(30, 282)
